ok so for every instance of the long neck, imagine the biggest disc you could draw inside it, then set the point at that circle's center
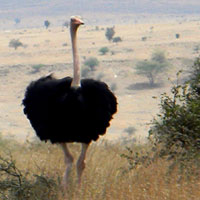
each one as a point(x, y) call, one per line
point(76, 66)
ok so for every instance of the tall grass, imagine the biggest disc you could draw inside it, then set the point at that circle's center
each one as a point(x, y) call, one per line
point(107, 175)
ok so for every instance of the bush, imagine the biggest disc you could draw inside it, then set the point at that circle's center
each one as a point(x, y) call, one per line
point(16, 184)
point(110, 32)
point(15, 43)
point(17, 20)
point(113, 87)
point(159, 56)
point(104, 50)
point(177, 35)
point(100, 76)
point(46, 24)
point(92, 62)
point(144, 39)
point(65, 44)
point(96, 28)
point(37, 68)
point(176, 131)
point(175, 134)
point(66, 24)
point(130, 130)
point(85, 72)
point(117, 39)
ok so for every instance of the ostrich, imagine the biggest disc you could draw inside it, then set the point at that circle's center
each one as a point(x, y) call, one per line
point(70, 109)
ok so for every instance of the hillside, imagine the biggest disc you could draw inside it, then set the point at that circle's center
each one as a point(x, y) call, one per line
point(62, 7)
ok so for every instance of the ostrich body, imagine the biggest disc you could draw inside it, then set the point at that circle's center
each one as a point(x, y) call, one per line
point(70, 109)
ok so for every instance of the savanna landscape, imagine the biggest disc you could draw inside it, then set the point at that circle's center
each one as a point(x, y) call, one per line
point(121, 164)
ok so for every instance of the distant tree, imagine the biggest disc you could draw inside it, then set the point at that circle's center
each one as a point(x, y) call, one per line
point(17, 20)
point(130, 130)
point(92, 62)
point(37, 68)
point(104, 50)
point(66, 24)
point(196, 48)
point(113, 87)
point(85, 71)
point(97, 28)
point(15, 43)
point(110, 32)
point(177, 35)
point(144, 39)
point(117, 39)
point(159, 56)
point(46, 23)
point(151, 68)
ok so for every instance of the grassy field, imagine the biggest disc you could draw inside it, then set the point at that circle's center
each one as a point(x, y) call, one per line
point(106, 175)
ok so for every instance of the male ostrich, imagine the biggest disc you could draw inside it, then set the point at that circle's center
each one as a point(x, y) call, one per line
point(69, 109)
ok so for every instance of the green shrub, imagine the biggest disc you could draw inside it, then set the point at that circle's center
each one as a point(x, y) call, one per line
point(130, 130)
point(110, 32)
point(100, 76)
point(17, 20)
point(117, 39)
point(177, 35)
point(66, 24)
point(92, 62)
point(15, 43)
point(113, 87)
point(85, 71)
point(176, 131)
point(144, 39)
point(104, 50)
point(37, 68)
point(46, 24)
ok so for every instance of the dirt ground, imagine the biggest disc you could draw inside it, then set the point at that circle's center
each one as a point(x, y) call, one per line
point(51, 48)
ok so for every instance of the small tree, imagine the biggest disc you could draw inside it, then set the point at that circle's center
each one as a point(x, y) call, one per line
point(46, 24)
point(91, 62)
point(117, 39)
point(159, 56)
point(37, 68)
point(15, 43)
point(130, 130)
point(110, 32)
point(151, 68)
point(66, 24)
point(17, 20)
point(104, 50)
point(177, 35)
point(85, 71)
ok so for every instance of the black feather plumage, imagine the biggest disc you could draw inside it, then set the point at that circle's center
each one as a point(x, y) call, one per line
point(61, 113)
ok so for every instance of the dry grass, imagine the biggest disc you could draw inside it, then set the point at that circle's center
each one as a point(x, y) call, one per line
point(105, 176)
point(45, 47)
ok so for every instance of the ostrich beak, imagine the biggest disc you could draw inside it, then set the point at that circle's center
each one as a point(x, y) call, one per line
point(77, 20)
point(81, 22)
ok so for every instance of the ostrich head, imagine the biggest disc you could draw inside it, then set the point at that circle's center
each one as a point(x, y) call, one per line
point(76, 21)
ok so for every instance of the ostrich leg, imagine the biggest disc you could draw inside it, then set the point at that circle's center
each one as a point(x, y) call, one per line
point(69, 161)
point(81, 161)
